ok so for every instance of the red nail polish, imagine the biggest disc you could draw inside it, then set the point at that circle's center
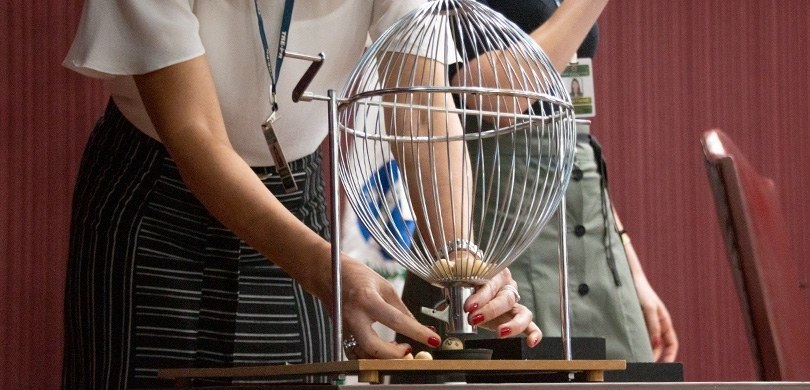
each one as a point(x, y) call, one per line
point(432, 328)
point(434, 342)
point(656, 342)
point(473, 308)
point(505, 332)
point(409, 350)
point(477, 319)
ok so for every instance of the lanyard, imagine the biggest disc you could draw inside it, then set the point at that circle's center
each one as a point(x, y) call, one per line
point(282, 167)
point(282, 46)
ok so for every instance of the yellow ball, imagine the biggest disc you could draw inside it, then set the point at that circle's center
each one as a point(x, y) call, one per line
point(452, 344)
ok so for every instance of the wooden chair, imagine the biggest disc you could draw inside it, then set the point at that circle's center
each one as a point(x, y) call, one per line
point(776, 302)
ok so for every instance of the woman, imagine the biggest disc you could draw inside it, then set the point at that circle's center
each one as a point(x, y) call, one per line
point(179, 203)
point(576, 89)
point(610, 296)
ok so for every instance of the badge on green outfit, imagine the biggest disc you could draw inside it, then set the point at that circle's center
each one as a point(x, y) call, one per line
point(578, 76)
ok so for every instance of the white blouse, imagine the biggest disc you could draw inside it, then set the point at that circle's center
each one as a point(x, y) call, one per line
point(120, 38)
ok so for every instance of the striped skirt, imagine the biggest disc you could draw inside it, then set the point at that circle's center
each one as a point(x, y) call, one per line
point(154, 281)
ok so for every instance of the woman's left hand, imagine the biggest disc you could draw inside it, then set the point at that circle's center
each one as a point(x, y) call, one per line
point(494, 305)
point(663, 339)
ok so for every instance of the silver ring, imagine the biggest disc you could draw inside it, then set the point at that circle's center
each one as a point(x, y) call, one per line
point(513, 290)
point(348, 346)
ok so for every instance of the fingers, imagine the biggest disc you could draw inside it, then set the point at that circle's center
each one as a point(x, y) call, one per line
point(368, 298)
point(670, 339)
point(371, 346)
point(533, 335)
point(414, 330)
point(490, 301)
point(670, 349)
point(359, 352)
point(484, 293)
point(654, 330)
point(521, 318)
point(494, 307)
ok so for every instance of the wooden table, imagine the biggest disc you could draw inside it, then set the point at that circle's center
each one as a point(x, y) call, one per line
point(370, 370)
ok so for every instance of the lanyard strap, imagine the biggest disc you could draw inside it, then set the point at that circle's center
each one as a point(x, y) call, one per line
point(282, 45)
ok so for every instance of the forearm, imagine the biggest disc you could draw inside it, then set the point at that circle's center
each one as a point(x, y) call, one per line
point(559, 37)
point(562, 34)
point(231, 191)
point(182, 104)
point(632, 257)
point(437, 174)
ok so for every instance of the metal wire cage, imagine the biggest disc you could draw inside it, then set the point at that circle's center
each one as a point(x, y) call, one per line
point(403, 163)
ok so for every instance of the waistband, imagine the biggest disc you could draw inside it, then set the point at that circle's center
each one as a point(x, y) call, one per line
point(296, 166)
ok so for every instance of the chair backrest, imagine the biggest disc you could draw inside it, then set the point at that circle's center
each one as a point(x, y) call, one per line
point(766, 270)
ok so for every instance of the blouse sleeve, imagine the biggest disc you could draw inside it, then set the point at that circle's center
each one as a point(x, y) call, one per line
point(127, 37)
point(387, 12)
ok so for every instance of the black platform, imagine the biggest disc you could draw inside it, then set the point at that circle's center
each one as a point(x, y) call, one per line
point(550, 348)
point(585, 348)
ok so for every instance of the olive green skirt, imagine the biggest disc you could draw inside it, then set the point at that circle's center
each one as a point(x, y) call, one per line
point(603, 299)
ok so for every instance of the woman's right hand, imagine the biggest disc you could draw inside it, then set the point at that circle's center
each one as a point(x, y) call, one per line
point(369, 298)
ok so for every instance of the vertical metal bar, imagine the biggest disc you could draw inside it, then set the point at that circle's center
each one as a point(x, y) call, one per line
point(456, 317)
point(565, 312)
point(337, 303)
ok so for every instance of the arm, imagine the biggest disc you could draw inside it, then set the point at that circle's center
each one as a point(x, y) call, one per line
point(182, 103)
point(430, 169)
point(447, 187)
point(559, 37)
point(663, 338)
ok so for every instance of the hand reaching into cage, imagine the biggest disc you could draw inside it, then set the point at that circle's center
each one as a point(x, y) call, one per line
point(369, 298)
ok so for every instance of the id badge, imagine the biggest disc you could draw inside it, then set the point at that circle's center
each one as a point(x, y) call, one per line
point(279, 160)
point(578, 79)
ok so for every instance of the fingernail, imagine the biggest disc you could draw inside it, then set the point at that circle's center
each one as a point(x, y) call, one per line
point(505, 332)
point(473, 308)
point(477, 319)
point(432, 328)
point(433, 342)
point(656, 342)
point(533, 342)
point(409, 350)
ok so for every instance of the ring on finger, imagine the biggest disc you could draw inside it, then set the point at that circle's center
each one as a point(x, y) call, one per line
point(513, 290)
point(349, 344)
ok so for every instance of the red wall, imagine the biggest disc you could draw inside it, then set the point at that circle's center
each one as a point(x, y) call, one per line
point(45, 117)
point(667, 70)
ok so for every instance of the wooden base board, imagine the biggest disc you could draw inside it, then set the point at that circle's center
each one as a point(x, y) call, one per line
point(371, 371)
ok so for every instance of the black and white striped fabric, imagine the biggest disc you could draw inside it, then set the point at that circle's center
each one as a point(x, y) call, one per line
point(154, 281)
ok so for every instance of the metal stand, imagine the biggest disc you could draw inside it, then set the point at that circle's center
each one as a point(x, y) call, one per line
point(452, 312)
point(565, 312)
point(301, 94)
point(337, 303)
